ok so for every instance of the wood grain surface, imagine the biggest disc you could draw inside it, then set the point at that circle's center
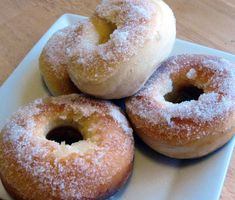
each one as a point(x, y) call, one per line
point(23, 22)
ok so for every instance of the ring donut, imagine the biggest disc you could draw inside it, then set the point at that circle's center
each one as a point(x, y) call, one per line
point(34, 166)
point(186, 109)
point(113, 53)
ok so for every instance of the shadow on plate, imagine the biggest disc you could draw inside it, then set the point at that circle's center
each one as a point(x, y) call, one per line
point(182, 163)
point(189, 162)
point(121, 192)
point(153, 155)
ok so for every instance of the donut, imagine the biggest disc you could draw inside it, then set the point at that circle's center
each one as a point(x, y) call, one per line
point(53, 63)
point(186, 109)
point(113, 53)
point(37, 161)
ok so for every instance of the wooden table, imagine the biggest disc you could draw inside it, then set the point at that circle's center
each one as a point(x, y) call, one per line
point(23, 22)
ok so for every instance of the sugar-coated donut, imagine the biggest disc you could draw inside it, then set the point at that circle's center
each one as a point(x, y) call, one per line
point(115, 51)
point(33, 167)
point(53, 63)
point(186, 109)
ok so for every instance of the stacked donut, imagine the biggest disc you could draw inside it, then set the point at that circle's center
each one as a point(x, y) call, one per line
point(73, 146)
point(111, 54)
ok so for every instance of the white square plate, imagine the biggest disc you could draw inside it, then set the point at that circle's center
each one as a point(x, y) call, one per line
point(154, 176)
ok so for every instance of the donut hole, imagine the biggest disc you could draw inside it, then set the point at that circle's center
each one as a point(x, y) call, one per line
point(183, 93)
point(103, 28)
point(66, 134)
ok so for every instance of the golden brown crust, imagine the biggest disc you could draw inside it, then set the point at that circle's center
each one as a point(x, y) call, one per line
point(191, 128)
point(170, 146)
point(36, 168)
point(53, 64)
point(13, 193)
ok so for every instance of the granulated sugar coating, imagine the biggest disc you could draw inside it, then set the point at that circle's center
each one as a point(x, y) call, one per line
point(133, 20)
point(53, 63)
point(43, 169)
point(102, 51)
point(55, 50)
point(192, 119)
point(121, 39)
